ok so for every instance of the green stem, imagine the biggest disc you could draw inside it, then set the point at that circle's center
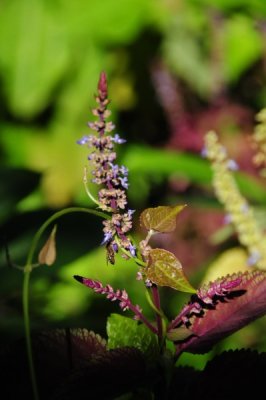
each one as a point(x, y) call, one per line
point(26, 280)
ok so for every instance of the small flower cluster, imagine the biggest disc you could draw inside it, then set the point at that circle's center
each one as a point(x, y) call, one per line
point(111, 294)
point(259, 140)
point(206, 296)
point(239, 211)
point(112, 177)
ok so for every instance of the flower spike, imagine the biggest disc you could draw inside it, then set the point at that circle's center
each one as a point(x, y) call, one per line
point(116, 295)
point(111, 178)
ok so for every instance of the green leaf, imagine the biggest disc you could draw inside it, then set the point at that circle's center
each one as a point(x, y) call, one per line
point(120, 20)
point(164, 269)
point(16, 184)
point(160, 219)
point(240, 29)
point(123, 331)
point(33, 53)
point(150, 163)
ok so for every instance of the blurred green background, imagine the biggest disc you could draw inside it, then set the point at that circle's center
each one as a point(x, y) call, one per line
point(176, 68)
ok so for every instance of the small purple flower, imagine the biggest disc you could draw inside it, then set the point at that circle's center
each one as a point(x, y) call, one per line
point(115, 247)
point(232, 165)
point(148, 283)
point(117, 139)
point(227, 219)
point(124, 182)
point(253, 258)
point(123, 170)
point(83, 140)
point(130, 212)
point(139, 276)
point(115, 169)
point(204, 152)
point(108, 236)
point(132, 250)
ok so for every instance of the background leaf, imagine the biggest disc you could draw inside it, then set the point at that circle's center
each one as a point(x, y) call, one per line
point(160, 219)
point(238, 59)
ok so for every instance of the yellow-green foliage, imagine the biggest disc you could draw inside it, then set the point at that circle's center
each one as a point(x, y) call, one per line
point(240, 212)
point(259, 137)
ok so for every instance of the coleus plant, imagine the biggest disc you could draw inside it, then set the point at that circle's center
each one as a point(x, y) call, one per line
point(215, 310)
point(139, 353)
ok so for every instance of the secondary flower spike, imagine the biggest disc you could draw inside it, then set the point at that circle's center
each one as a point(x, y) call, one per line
point(111, 177)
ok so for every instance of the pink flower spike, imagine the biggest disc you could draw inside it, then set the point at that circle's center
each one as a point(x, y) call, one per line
point(119, 295)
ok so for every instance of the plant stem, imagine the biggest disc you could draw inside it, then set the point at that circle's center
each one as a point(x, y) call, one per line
point(26, 280)
point(157, 303)
point(25, 294)
point(143, 319)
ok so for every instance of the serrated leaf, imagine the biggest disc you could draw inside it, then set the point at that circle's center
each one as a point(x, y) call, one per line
point(164, 269)
point(241, 306)
point(47, 255)
point(70, 346)
point(70, 364)
point(160, 219)
point(123, 331)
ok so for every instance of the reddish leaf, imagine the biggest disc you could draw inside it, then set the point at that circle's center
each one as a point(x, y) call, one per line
point(160, 219)
point(227, 313)
point(164, 269)
point(71, 346)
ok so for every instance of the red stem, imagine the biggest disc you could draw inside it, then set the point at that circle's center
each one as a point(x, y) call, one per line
point(141, 317)
point(157, 303)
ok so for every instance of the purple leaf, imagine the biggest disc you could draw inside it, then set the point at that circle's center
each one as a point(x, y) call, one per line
point(225, 313)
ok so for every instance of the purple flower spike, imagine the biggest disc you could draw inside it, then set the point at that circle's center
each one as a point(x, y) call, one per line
point(112, 196)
